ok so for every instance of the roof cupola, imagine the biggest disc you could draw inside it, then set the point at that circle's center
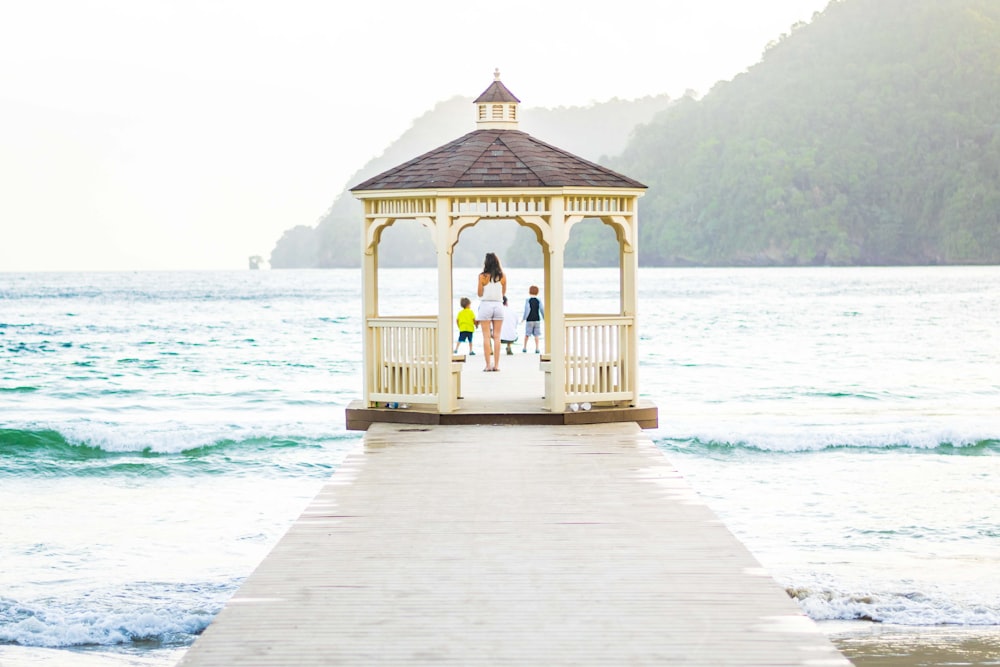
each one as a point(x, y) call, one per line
point(496, 108)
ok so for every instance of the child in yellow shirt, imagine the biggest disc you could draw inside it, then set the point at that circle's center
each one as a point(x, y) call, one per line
point(466, 321)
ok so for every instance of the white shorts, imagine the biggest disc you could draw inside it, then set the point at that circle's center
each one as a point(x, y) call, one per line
point(490, 310)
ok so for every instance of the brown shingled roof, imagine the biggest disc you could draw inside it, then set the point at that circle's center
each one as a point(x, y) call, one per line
point(497, 92)
point(496, 158)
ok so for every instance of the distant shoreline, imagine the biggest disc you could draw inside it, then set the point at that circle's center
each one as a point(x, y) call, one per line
point(674, 265)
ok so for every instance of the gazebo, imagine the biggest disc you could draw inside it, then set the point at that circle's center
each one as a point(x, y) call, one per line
point(498, 172)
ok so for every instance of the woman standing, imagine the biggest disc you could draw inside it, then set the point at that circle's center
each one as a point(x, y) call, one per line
point(491, 290)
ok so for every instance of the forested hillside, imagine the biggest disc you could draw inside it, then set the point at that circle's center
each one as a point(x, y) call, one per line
point(592, 132)
point(870, 135)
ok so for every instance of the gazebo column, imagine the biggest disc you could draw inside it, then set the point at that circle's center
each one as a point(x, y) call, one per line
point(369, 296)
point(447, 390)
point(554, 309)
point(547, 291)
point(629, 263)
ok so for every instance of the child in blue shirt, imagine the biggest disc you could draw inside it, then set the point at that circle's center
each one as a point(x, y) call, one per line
point(534, 313)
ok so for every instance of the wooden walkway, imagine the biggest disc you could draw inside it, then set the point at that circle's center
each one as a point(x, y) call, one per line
point(509, 545)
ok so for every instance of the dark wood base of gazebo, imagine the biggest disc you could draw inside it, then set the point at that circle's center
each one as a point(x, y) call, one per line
point(359, 417)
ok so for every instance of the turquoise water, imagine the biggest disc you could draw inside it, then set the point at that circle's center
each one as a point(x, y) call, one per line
point(160, 431)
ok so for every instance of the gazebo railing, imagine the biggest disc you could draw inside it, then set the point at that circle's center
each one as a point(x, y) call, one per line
point(599, 358)
point(403, 364)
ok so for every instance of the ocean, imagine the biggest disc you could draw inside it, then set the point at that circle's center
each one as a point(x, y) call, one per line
point(159, 431)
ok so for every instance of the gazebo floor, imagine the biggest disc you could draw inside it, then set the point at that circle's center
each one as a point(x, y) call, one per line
point(513, 396)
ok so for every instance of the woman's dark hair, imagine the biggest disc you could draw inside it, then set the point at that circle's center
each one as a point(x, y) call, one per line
point(491, 267)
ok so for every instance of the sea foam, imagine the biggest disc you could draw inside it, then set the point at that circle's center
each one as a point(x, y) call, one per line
point(171, 437)
point(796, 436)
point(902, 608)
point(74, 626)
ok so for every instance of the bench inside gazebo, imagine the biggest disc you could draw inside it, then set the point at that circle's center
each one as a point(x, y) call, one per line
point(589, 372)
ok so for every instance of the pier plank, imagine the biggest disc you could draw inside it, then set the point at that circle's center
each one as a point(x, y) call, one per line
point(509, 545)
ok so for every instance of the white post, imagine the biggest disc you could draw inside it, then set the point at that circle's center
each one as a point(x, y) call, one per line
point(554, 310)
point(447, 400)
point(369, 300)
point(547, 292)
point(629, 262)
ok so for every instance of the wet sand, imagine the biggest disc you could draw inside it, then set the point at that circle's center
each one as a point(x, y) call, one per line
point(876, 645)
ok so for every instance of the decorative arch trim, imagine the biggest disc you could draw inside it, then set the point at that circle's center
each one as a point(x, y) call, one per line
point(624, 229)
point(458, 224)
point(543, 230)
point(373, 234)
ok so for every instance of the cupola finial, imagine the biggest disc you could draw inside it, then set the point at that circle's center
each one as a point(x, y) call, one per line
point(496, 74)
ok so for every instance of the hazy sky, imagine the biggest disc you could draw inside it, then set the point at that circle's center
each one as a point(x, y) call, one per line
point(189, 134)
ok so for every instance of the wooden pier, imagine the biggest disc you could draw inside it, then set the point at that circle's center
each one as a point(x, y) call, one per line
point(509, 545)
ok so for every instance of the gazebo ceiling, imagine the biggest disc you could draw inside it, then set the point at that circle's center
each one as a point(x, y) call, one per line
point(496, 159)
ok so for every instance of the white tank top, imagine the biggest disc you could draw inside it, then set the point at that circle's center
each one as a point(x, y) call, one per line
point(493, 291)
